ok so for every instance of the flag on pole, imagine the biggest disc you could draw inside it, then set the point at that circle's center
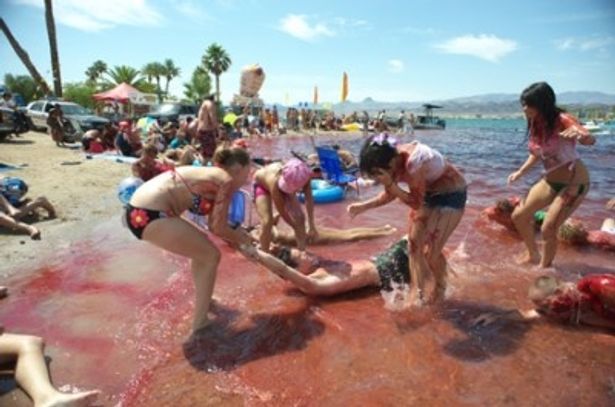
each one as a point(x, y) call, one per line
point(344, 87)
point(315, 95)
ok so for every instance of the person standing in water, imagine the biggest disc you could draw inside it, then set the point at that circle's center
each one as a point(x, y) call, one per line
point(153, 215)
point(553, 135)
point(436, 197)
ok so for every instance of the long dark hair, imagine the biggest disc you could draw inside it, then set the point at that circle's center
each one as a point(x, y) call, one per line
point(541, 97)
point(376, 153)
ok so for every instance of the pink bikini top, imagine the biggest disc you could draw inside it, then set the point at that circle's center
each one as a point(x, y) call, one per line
point(554, 150)
point(423, 156)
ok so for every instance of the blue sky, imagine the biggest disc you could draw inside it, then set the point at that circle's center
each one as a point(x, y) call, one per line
point(392, 50)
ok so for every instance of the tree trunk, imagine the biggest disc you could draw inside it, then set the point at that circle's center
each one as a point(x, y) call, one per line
point(25, 58)
point(217, 88)
point(53, 49)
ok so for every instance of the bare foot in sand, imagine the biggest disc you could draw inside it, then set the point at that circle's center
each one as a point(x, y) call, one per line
point(34, 233)
point(528, 258)
point(81, 399)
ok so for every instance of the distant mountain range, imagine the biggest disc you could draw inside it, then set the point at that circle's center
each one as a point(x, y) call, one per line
point(493, 104)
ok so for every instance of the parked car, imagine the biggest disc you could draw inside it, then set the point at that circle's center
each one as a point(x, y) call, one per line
point(79, 117)
point(11, 122)
point(173, 112)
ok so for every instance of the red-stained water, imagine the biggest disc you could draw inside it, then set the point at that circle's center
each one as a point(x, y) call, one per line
point(116, 313)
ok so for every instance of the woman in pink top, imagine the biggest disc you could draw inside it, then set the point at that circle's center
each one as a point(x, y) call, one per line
point(436, 196)
point(552, 139)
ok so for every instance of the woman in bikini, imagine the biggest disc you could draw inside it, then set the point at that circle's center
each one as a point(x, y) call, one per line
point(154, 214)
point(553, 135)
point(436, 197)
point(276, 185)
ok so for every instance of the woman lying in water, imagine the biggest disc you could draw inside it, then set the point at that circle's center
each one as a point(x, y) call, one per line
point(591, 301)
point(319, 277)
point(327, 235)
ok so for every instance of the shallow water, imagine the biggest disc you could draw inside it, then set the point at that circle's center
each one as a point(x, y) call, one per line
point(116, 312)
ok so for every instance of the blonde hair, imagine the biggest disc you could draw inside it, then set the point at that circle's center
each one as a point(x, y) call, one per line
point(543, 287)
point(226, 157)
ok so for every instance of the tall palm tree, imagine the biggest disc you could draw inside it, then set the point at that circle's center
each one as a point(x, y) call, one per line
point(170, 71)
point(155, 70)
point(216, 61)
point(25, 58)
point(124, 73)
point(53, 49)
point(199, 86)
point(95, 71)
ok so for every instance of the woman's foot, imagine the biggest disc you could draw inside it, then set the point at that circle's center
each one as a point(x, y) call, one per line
point(34, 233)
point(81, 399)
point(529, 258)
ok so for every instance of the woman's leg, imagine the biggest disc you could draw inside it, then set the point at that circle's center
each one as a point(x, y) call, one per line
point(330, 235)
point(178, 236)
point(10, 223)
point(539, 196)
point(565, 203)
point(419, 267)
point(265, 213)
point(40, 202)
point(440, 226)
point(32, 375)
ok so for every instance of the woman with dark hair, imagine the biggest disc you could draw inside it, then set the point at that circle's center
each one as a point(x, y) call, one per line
point(553, 135)
point(155, 209)
point(436, 197)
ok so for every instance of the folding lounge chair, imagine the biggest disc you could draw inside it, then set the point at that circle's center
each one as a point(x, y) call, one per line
point(331, 165)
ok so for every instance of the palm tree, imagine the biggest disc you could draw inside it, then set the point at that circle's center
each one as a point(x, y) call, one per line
point(155, 70)
point(53, 49)
point(199, 86)
point(216, 61)
point(124, 73)
point(25, 58)
point(95, 71)
point(170, 71)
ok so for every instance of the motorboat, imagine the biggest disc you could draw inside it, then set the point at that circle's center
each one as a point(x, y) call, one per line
point(428, 121)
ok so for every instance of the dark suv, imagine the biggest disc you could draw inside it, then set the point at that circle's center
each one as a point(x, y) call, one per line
point(173, 112)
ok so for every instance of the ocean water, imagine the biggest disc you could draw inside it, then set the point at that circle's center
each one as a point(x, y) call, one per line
point(116, 312)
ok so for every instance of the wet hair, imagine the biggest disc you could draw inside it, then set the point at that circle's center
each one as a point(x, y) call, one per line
point(226, 157)
point(375, 155)
point(543, 287)
point(572, 231)
point(505, 206)
point(540, 96)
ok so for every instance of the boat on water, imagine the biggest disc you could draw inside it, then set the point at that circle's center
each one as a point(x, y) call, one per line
point(428, 121)
point(605, 128)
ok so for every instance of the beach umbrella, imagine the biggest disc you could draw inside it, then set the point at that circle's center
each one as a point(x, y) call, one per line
point(344, 87)
point(315, 95)
point(230, 118)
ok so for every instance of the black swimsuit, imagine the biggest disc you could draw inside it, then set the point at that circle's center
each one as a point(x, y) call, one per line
point(393, 266)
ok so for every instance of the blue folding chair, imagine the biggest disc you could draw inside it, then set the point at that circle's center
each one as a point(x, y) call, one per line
point(331, 165)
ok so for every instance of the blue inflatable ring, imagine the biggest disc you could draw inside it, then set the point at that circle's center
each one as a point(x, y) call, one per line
point(324, 192)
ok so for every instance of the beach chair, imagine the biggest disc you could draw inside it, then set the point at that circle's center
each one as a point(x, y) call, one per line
point(331, 165)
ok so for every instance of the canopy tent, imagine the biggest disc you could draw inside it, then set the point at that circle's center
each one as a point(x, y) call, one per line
point(122, 93)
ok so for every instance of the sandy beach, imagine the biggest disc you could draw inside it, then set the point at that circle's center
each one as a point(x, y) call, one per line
point(82, 191)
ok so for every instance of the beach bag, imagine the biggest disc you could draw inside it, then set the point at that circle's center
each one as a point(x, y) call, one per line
point(13, 189)
point(252, 78)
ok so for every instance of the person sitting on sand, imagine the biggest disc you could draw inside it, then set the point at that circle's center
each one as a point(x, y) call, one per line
point(591, 301)
point(32, 373)
point(348, 160)
point(148, 166)
point(154, 215)
point(179, 140)
point(13, 207)
point(92, 142)
point(321, 277)
point(127, 141)
point(276, 186)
